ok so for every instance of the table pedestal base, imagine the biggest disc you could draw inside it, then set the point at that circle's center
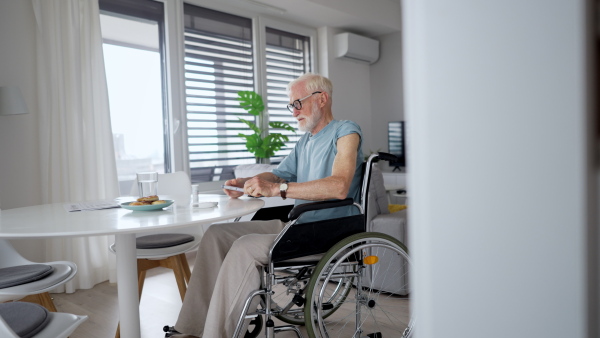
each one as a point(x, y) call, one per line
point(127, 287)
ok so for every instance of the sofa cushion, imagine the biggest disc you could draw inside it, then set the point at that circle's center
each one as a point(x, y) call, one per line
point(396, 207)
point(377, 190)
point(250, 170)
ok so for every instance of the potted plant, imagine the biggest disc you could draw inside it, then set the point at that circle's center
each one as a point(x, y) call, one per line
point(261, 143)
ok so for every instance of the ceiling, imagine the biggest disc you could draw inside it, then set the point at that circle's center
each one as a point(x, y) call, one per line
point(366, 17)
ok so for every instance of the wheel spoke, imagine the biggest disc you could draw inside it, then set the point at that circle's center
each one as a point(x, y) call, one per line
point(378, 311)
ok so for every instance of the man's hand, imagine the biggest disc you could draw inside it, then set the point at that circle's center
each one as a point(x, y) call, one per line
point(236, 182)
point(258, 187)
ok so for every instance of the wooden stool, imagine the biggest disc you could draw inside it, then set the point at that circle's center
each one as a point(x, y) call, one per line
point(178, 264)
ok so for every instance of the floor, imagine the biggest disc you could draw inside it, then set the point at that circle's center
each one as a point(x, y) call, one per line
point(159, 306)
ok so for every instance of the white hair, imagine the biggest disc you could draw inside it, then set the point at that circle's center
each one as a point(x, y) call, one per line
point(313, 83)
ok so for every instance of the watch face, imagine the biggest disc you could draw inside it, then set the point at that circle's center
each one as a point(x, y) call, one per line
point(283, 186)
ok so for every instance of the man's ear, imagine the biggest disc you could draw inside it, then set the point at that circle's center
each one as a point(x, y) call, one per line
point(323, 98)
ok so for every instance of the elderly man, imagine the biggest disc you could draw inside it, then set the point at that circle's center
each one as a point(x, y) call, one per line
point(325, 164)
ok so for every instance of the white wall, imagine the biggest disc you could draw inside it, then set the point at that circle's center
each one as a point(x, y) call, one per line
point(497, 106)
point(19, 148)
point(351, 85)
point(19, 143)
point(387, 101)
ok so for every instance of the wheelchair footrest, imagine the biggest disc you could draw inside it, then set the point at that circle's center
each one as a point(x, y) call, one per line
point(169, 331)
point(375, 335)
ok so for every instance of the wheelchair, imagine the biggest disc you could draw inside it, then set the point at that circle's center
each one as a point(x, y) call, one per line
point(334, 277)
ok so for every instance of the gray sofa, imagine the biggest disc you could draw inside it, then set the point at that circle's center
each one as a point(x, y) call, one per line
point(394, 224)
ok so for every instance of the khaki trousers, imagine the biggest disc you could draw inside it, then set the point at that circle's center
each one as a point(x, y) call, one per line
point(226, 270)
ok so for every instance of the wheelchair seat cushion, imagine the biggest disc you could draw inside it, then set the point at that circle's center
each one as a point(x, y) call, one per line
point(157, 241)
point(312, 238)
point(26, 319)
point(22, 274)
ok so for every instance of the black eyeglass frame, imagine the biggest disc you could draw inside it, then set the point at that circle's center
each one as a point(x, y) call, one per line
point(298, 103)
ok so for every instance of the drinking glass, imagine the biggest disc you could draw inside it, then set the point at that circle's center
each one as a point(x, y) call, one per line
point(195, 192)
point(147, 183)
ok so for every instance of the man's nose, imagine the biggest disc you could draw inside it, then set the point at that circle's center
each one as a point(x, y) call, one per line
point(296, 112)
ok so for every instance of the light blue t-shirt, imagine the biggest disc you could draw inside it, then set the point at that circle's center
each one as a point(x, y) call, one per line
point(312, 159)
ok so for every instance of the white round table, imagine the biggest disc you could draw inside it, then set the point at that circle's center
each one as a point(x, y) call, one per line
point(52, 220)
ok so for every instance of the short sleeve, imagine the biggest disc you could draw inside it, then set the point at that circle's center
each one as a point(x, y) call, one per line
point(348, 127)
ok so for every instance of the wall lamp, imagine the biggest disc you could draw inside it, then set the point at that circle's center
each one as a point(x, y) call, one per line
point(11, 101)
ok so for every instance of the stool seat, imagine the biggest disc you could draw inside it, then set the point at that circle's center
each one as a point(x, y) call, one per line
point(162, 240)
point(22, 274)
point(26, 319)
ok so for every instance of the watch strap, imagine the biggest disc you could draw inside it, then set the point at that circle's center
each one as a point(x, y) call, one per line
point(283, 192)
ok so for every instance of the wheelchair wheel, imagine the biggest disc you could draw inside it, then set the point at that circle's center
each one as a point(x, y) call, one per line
point(377, 305)
point(290, 298)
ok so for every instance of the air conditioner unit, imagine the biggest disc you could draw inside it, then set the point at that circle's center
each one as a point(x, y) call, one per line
point(356, 47)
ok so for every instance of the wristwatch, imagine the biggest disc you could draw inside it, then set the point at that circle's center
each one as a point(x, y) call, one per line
point(283, 190)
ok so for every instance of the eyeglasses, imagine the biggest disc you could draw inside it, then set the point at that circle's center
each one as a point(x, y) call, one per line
point(298, 103)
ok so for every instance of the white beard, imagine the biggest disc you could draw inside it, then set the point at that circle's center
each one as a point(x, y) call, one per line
point(310, 122)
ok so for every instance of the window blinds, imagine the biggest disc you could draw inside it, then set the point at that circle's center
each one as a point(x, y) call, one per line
point(288, 56)
point(218, 64)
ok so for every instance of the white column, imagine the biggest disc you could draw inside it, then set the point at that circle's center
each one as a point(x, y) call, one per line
point(498, 117)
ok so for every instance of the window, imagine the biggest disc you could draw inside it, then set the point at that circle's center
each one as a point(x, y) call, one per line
point(219, 62)
point(288, 56)
point(133, 53)
point(223, 54)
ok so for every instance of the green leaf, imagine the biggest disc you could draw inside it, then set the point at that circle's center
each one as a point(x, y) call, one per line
point(267, 149)
point(275, 141)
point(256, 145)
point(252, 126)
point(251, 101)
point(282, 125)
point(253, 141)
point(261, 148)
point(276, 137)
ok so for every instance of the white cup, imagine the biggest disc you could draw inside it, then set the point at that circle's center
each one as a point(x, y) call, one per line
point(147, 183)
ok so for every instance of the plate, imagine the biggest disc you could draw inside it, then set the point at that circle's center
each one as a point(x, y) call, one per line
point(146, 207)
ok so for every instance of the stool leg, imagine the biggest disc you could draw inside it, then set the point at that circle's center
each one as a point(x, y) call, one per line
point(177, 265)
point(47, 302)
point(42, 299)
point(186, 268)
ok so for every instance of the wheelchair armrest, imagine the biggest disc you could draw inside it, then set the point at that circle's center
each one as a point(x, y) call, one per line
point(302, 208)
point(387, 157)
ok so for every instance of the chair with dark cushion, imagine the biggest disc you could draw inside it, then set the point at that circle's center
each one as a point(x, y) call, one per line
point(30, 281)
point(27, 320)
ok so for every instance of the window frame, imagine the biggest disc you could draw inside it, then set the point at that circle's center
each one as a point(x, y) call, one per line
point(176, 70)
point(262, 22)
point(145, 10)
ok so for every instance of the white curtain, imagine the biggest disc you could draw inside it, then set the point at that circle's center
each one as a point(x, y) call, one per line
point(78, 161)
